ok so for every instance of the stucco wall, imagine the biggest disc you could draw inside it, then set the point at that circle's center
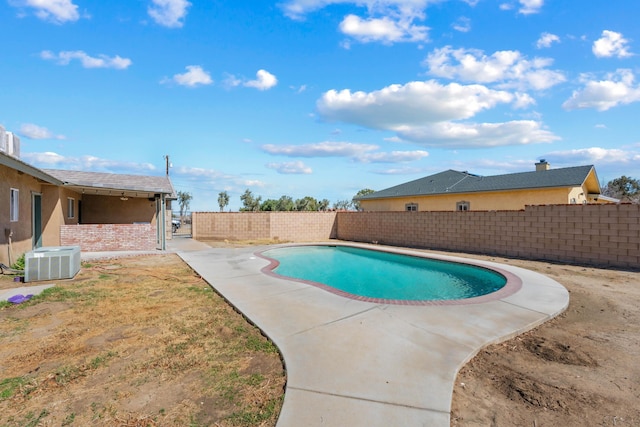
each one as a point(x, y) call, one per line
point(603, 235)
point(21, 239)
point(54, 212)
point(286, 226)
point(112, 210)
point(503, 200)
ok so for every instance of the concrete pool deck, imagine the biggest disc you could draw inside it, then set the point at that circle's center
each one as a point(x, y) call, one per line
point(355, 363)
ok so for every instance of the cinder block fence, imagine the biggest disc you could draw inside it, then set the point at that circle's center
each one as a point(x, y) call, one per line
point(599, 235)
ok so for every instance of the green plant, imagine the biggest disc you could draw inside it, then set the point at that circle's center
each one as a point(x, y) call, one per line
point(101, 360)
point(257, 415)
point(9, 387)
point(19, 263)
point(69, 419)
point(261, 344)
point(33, 422)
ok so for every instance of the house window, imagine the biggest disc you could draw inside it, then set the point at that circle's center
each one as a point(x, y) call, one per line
point(462, 206)
point(71, 208)
point(411, 207)
point(14, 204)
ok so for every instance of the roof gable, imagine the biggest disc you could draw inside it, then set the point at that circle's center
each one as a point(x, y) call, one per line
point(452, 182)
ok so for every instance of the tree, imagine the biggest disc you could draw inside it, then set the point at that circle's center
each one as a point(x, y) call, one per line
point(624, 188)
point(323, 204)
point(249, 202)
point(363, 192)
point(269, 205)
point(307, 203)
point(223, 200)
point(342, 205)
point(184, 199)
point(285, 204)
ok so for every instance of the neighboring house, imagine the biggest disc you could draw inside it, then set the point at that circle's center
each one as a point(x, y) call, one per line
point(452, 190)
point(97, 211)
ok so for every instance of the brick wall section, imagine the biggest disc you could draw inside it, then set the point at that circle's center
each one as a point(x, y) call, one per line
point(285, 226)
point(602, 235)
point(109, 237)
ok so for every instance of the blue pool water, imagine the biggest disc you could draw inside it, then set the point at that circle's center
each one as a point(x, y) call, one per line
point(384, 275)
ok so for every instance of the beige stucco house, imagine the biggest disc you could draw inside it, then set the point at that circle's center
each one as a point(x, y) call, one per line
point(98, 211)
point(452, 190)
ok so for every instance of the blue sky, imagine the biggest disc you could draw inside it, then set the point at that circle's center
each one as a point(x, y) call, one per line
point(320, 98)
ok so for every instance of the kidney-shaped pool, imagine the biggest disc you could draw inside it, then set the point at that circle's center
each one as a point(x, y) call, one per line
point(376, 275)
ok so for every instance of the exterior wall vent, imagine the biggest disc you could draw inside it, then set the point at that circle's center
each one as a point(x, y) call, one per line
point(51, 263)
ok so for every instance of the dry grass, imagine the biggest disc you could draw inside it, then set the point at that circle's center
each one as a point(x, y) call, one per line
point(135, 342)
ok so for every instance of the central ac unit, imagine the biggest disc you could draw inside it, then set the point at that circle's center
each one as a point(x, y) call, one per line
point(51, 263)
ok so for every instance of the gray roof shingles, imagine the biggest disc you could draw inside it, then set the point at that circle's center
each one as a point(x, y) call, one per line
point(452, 182)
point(142, 183)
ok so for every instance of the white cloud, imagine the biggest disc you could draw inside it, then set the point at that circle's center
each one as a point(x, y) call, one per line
point(320, 149)
point(414, 103)
point(546, 40)
point(385, 30)
point(31, 131)
point(387, 21)
point(429, 114)
point(193, 77)
point(363, 153)
point(87, 61)
point(169, 13)
point(509, 68)
point(469, 135)
point(264, 81)
point(216, 179)
point(462, 24)
point(85, 163)
point(400, 171)
point(523, 100)
point(56, 11)
point(392, 157)
point(616, 89)
point(231, 81)
point(290, 168)
point(528, 7)
point(611, 44)
point(297, 9)
point(601, 156)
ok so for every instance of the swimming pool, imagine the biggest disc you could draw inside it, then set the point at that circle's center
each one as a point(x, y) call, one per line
point(375, 275)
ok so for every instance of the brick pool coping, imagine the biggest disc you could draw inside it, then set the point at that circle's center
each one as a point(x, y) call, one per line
point(513, 284)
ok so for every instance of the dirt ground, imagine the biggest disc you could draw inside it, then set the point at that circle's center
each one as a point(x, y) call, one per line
point(139, 341)
point(144, 342)
point(579, 369)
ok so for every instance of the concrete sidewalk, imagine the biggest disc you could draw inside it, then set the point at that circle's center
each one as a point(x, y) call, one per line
point(354, 363)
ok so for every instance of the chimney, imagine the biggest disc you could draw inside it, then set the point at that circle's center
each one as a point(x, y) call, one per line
point(542, 165)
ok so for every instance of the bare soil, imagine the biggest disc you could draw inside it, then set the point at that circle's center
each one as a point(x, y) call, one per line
point(580, 369)
point(139, 341)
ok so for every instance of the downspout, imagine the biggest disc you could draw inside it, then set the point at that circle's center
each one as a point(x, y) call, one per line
point(163, 227)
point(8, 233)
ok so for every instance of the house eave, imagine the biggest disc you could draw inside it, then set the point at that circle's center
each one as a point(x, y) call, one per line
point(463, 192)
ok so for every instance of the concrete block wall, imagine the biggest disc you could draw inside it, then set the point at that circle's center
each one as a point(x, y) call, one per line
point(602, 235)
point(109, 237)
point(285, 226)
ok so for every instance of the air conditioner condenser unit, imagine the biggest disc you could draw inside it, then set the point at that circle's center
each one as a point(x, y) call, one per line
point(51, 263)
